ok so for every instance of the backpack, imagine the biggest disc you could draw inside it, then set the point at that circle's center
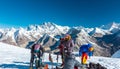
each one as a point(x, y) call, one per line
point(91, 49)
point(36, 48)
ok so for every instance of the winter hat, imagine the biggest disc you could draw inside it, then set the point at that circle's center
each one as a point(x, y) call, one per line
point(67, 37)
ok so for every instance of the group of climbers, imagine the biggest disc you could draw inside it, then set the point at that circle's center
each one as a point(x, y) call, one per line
point(66, 50)
point(66, 47)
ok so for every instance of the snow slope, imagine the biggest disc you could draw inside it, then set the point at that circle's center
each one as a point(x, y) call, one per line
point(116, 55)
point(12, 57)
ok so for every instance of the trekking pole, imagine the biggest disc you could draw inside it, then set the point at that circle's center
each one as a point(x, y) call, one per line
point(57, 58)
point(50, 59)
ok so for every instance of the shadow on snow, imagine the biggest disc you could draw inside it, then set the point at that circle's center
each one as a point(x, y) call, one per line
point(19, 65)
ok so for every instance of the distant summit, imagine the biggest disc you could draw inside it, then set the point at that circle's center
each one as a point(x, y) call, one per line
point(111, 26)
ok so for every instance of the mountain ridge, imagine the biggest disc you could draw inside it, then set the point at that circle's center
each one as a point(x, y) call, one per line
point(81, 35)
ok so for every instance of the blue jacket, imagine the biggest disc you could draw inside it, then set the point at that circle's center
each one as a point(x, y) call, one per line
point(84, 48)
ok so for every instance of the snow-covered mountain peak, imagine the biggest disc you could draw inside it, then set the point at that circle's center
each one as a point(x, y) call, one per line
point(97, 30)
point(52, 28)
point(111, 26)
point(83, 32)
point(48, 25)
point(79, 27)
point(21, 28)
point(32, 27)
point(12, 29)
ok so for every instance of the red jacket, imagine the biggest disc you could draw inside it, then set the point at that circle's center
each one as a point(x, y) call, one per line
point(61, 47)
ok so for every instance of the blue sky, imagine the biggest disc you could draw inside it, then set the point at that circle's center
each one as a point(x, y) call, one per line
point(87, 13)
